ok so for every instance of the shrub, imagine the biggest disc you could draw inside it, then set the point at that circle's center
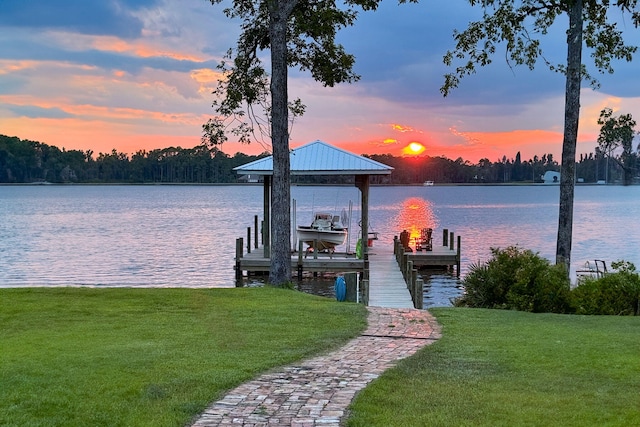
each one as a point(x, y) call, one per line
point(516, 279)
point(616, 293)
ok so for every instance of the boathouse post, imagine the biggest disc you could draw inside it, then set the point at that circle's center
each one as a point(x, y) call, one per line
point(362, 182)
point(445, 237)
point(451, 240)
point(266, 226)
point(248, 240)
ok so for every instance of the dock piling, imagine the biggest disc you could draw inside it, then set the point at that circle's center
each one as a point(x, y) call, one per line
point(255, 228)
point(351, 280)
point(419, 294)
point(365, 291)
point(299, 265)
point(239, 244)
point(458, 257)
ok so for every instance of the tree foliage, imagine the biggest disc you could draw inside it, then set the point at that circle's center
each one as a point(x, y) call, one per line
point(516, 279)
point(513, 26)
point(516, 26)
point(242, 99)
point(618, 132)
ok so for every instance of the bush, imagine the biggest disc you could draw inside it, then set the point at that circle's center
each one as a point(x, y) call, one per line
point(616, 293)
point(516, 279)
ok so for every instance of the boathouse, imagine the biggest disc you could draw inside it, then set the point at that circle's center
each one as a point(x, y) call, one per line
point(317, 158)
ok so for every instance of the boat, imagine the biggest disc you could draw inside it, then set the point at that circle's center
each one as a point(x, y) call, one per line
point(428, 183)
point(325, 232)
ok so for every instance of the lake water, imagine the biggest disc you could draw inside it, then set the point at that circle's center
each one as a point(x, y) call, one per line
point(184, 236)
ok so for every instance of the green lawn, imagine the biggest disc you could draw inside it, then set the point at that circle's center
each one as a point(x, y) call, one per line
point(507, 368)
point(150, 357)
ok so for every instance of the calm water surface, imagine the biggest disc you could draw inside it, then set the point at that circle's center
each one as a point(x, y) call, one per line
point(185, 235)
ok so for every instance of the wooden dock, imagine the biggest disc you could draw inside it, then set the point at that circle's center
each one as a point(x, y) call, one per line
point(390, 274)
point(319, 262)
point(387, 287)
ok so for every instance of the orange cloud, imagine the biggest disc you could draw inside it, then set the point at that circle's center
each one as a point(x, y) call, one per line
point(206, 75)
point(401, 128)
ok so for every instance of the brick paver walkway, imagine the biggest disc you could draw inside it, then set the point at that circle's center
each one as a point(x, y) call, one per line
point(317, 391)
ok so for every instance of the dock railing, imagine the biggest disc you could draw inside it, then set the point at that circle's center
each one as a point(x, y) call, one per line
point(414, 281)
point(409, 263)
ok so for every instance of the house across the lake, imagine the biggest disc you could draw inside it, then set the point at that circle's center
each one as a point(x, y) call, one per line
point(551, 177)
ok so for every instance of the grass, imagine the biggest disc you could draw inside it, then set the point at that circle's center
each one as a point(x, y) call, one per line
point(150, 357)
point(507, 368)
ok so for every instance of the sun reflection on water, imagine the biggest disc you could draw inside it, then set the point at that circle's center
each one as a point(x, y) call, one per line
point(415, 214)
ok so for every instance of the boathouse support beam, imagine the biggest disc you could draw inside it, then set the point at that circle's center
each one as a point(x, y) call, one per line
point(362, 182)
point(266, 226)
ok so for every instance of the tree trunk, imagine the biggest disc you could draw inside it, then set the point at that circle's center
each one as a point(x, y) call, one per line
point(571, 118)
point(280, 271)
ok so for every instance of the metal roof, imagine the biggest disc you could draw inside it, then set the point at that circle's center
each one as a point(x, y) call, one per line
point(319, 158)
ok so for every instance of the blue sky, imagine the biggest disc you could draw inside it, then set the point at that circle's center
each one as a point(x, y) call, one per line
point(138, 74)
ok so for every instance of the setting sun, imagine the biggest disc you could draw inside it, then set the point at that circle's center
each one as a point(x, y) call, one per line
point(414, 148)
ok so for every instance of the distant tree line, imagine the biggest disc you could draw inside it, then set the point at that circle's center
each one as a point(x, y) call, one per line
point(24, 161)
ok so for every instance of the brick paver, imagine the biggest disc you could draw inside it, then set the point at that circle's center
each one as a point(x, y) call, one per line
point(316, 392)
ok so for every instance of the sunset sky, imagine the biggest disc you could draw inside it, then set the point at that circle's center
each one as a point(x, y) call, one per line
point(138, 74)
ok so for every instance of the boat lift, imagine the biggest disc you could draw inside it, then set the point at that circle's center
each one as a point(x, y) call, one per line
point(595, 269)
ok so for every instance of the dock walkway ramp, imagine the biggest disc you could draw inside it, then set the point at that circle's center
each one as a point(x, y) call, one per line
point(387, 287)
